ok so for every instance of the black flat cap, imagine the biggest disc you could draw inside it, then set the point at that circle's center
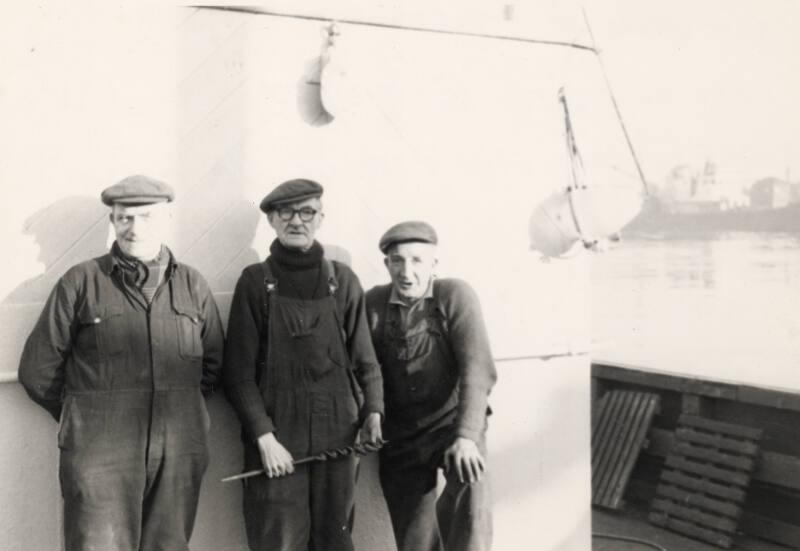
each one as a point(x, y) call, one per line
point(291, 191)
point(137, 190)
point(404, 232)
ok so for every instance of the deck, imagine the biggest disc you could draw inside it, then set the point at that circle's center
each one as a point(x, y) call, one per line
point(633, 523)
point(771, 510)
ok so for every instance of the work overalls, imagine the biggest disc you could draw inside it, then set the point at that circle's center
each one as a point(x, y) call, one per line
point(421, 392)
point(307, 387)
point(133, 430)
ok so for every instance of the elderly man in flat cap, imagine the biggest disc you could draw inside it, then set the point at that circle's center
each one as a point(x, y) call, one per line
point(302, 375)
point(432, 344)
point(122, 354)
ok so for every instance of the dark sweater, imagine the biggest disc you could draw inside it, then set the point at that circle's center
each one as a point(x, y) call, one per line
point(458, 306)
point(298, 275)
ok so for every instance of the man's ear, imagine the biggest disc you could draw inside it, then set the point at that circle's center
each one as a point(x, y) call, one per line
point(386, 262)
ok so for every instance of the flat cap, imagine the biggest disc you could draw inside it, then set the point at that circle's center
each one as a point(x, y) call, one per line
point(413, 230)
point(291, 191)
point(137, 189)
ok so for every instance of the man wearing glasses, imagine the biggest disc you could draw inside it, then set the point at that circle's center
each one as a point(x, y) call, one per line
point(302, 376)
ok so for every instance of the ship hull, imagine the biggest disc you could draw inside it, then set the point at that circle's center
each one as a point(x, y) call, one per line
point(657, 219)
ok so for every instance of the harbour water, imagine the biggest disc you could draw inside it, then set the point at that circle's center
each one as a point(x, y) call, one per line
point(723, 306)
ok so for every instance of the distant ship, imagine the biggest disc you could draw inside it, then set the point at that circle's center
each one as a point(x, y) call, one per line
point(690, 202)
point(657, 217)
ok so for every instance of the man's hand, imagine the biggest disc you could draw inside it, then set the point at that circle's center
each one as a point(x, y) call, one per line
point(276, 459)
point(371, 432)
point(463, 456)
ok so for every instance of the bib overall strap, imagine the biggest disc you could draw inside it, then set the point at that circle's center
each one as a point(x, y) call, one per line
point(270, 285)
point(333, 283)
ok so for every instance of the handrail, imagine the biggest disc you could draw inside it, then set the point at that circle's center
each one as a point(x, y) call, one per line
point(8, 377)
point(11, 376)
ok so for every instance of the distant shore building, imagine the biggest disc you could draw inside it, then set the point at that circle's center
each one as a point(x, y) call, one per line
point(773, 193)
point(688, 191)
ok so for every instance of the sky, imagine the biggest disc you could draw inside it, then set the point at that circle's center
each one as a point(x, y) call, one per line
point(706, 80)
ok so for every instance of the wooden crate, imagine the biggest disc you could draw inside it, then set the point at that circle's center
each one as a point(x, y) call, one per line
point(705, 478)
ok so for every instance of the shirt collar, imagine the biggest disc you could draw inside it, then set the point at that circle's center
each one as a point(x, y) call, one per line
point(115, 264)
point(394, 296)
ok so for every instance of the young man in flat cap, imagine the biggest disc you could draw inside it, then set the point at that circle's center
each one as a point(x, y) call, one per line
point(302, 375)
point(438, 371)
point(122, 354)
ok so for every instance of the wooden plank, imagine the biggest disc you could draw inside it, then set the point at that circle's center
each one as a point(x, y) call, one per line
point(605, 426)
point(630, 449)
point(599, 418)
point(696, 516)
point(707, 471)
point(601, 454)
point(779, 469)
point(630, 404)
point(691, 530)
point(620, 403)
point(720, 428)
point(773, 468)
point(771, 529)
point(651, 379)
point(613, 445)
point(743, 447)
point(741, 462)
point(692, 499)
point(692, 404)
point(721, 491)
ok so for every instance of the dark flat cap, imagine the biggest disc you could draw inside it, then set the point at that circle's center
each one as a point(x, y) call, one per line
point(139, 190)
point(291, 191)
point(404, 232)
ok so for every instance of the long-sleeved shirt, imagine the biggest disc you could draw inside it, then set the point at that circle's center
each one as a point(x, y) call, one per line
point(436, 360)
point(93, 336)
point(247, 339)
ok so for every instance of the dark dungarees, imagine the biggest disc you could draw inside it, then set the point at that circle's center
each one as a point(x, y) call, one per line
point(421, 380)
point(307, 391)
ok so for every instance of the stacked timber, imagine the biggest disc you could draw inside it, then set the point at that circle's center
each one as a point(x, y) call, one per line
point(705, 479)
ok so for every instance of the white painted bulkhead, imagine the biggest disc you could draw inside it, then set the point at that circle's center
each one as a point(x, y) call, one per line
point(464, 132)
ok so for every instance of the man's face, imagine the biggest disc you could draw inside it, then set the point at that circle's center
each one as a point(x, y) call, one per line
point(411, 268)
point(290, 224)
point(140, 229)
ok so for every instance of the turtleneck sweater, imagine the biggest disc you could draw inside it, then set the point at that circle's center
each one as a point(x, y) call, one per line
point(298, 272)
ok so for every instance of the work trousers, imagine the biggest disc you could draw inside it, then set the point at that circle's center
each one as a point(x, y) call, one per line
point(309, 510)
point(131, 471)
point(458, 520)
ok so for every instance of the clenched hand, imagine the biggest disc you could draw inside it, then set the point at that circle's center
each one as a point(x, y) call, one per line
point(276, 459)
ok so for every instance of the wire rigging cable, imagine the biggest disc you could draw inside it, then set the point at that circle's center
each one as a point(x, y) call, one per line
point(262, 11)
point(576, 45)
point(616, 106)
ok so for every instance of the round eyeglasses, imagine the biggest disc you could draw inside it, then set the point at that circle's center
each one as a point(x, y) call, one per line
point(306, 213)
